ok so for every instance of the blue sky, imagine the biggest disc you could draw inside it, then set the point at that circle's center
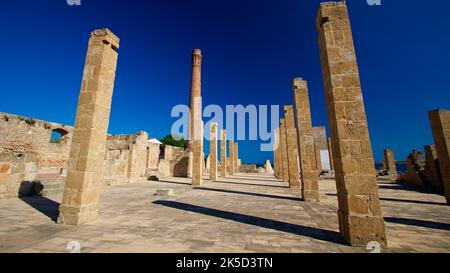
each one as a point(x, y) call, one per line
point(252, 49)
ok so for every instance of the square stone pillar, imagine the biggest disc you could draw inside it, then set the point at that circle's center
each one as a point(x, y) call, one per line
point(309, 178)
point(292, 150)
point(432, 168)
point(223, 154)
point(440, 126)
point(390, 163)
point(330, 153)
point(236, 158)
point(232, 154)
point(213, 153)
point(80, 201)
point(360, 218)
point(284, 154)
point(198, 160)
point(320, 144)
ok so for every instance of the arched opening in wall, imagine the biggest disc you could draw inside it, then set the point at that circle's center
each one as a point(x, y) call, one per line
point(58, 136)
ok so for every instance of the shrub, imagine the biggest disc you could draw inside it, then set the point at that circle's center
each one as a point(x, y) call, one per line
point(169, 140)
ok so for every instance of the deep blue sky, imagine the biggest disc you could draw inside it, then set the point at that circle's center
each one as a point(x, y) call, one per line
point(252, 49)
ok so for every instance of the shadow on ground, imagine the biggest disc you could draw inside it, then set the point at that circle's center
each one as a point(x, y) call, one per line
point(44, 205)
point(250, 194)
point(404, 201)
point(418, 223)
point(315, 233)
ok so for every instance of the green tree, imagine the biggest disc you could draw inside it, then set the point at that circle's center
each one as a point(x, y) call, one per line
point(169, 140)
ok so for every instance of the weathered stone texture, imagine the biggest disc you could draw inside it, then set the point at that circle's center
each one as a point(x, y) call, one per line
point(232, 166)
point(85, 173)
point(432, 170)
point(440, 126)
point(284, 153)
point(390, 163)
point(330, 153)
point(17, 175)
point(292, 150)
point(213, 173)
point(20, 134)
point(223, 154)
point(308, 167)
point(320, 144)
point(236, 158)
point(360, 216)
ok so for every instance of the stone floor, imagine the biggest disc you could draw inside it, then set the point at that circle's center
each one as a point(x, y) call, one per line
point(243, 213)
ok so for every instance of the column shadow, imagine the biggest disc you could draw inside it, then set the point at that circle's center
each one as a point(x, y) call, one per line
point(418, 223)
point(404, 201)
point(315, 233)
point(44, 205)
point(250, 184)
point(250, 194)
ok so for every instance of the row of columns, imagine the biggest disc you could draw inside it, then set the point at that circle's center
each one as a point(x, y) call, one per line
point(359, 213)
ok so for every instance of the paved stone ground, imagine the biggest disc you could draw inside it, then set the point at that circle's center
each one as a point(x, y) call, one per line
point(243, 213)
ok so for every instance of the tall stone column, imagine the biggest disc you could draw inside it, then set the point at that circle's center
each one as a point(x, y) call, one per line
point(275, 156)
point(198, 162)
point(310, 181)
point(236, 158)
point(440, 126)
point(232, 154)
point(80, 203)
point(360, 218)
point(292, 150)
point(390, 163)
point(284, 154)
point(330, 153)
point(278, 147)
point(223, 154)
point(213, 153)
point(432, 168)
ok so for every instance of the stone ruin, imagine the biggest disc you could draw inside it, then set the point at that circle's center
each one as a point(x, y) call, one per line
point(84, 158)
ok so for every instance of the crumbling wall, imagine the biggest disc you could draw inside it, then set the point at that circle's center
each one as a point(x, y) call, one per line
point(20, 134)
point(17, 175)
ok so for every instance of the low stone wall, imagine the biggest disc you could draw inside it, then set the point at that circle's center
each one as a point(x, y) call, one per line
point(17, 175)
point(31, 163)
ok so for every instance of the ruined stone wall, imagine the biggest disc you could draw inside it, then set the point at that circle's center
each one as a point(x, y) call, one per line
point(17, 174)
point(248, 168)
point(27, 135)
point(153, 156)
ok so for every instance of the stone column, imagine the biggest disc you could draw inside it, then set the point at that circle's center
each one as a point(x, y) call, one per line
point(432, 168)
point(440, 126)
point(330, 153)
point(223, 154)
point(198, 161)
point(80, 201)
point(236, 158)
point(284, 154)
point(213, 153)
point(390, 163)
point(232, 154)
point(310, 181)
point(360, 218)
point(279, 155)
point(292, 150)
point(320, 144)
